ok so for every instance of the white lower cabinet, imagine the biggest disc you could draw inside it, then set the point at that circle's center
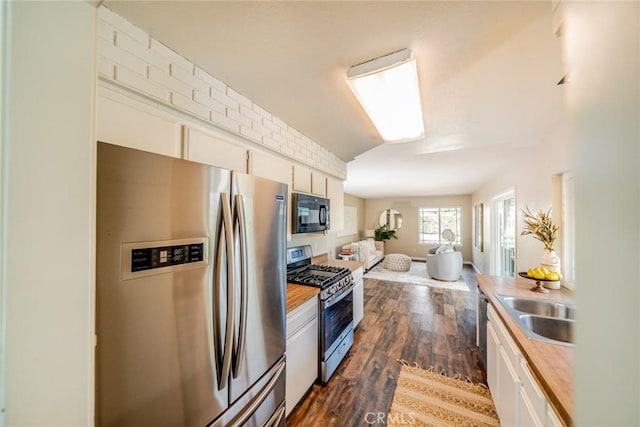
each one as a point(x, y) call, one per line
point(302, 351)
point(534, 401)
point(516, 394)
point(552, 419)
point(528, 416)
point(358, 296)
point(493, 347)
point(508, 388)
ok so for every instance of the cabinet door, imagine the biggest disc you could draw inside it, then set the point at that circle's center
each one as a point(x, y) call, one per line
point(270, 166)
point(552, 418)
point(527, 416)
point(130, 123)
point(335, 192)
point(319, 184)
point(215, 150)
point(275, 168)
point(493, 346)
point(535, 398)
point(508, 390)
point(302, 362)
point(301, 179)
point(358, 302)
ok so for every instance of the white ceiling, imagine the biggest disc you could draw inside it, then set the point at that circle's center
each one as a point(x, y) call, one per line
point(488, 73)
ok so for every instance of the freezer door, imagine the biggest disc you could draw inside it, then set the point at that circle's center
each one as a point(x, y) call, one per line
point(260, 207)
point(155, 358)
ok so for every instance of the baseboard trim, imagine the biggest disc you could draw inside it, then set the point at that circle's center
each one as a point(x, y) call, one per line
point(477, 270)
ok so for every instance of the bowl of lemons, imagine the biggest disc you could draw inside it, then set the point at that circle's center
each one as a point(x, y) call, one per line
point(549, 279)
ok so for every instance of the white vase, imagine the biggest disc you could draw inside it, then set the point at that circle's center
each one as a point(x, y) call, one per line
point(551, 262)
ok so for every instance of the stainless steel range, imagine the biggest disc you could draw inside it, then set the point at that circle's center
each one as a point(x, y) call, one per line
point(335, 307)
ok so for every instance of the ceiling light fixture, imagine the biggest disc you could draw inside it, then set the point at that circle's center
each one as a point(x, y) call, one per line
point(387, 88)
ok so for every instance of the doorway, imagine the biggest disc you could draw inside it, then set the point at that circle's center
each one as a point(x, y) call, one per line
point(503, 255)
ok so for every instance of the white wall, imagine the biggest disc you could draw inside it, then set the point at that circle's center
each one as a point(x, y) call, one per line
point(130, 58)
point(3, 268)
point(602, 46)
point(531, 178)
point(48, 209)
point(407, 241)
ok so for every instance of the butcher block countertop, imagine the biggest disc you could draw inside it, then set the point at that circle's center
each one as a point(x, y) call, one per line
point(552, 364)
point(299, 294)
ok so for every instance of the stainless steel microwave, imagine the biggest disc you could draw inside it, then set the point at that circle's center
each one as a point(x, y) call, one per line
point(310, 213)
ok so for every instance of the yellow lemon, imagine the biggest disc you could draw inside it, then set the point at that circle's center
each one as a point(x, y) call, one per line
point(538, 274)
point(552, 275)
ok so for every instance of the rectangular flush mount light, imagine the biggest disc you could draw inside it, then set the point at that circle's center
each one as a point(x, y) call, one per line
point(387, 87)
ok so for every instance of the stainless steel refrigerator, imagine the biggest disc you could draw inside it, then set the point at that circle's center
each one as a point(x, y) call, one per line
point(190, 293)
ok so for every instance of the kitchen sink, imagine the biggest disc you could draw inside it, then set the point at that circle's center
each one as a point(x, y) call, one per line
point(549, 327)
point(539, 307)
point(545, 320)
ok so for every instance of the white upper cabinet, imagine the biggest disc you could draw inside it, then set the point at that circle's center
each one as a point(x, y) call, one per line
point(276, 168)
point(301, 179)
point(319, 184)
point(335, 193)
point(124, 121)
point(271, 167)
point(215, 150)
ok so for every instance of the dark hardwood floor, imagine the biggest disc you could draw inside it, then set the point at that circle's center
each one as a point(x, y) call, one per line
point(428, 326)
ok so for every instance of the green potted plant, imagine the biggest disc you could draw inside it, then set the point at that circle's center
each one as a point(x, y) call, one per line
point(383, 233)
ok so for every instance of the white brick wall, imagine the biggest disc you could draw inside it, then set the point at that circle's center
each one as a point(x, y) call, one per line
point(129, 56)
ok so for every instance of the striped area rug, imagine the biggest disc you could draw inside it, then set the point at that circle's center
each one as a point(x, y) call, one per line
point(425, 398)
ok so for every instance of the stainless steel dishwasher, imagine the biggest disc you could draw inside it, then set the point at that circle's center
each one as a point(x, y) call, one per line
point(481, 337)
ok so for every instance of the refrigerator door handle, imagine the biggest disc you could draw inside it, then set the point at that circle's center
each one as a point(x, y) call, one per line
point(242, 330)
point(223, 367)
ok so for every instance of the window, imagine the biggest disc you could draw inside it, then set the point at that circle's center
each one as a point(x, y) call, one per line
point(433, 221)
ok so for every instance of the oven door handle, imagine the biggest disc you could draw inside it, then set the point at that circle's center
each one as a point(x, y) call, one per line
point(342, 296)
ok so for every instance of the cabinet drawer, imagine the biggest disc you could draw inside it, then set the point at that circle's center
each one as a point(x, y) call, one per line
point(302, 315)
point(511, 349)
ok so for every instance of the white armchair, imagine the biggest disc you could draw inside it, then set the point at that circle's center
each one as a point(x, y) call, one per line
point(445, 266)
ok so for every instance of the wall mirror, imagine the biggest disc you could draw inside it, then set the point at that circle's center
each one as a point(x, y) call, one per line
point(392, 218)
